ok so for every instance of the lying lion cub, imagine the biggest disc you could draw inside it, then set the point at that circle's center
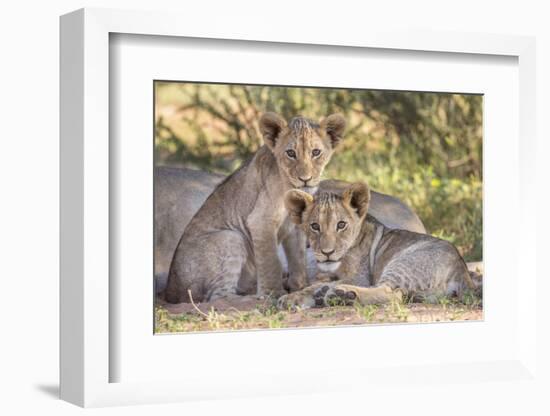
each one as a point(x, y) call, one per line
point(366, 261)
point(230, 245)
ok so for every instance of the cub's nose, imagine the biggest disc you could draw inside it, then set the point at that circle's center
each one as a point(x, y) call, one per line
point(305, 181)
point(327, 252)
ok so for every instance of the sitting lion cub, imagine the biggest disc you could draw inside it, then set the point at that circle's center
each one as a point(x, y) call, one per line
point(230, 245)
point(366, 261)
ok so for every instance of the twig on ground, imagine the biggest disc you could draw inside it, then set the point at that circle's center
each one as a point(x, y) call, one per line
point(194, 305)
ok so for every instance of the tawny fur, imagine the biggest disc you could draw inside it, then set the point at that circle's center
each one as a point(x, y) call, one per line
point(365, 261)
point(230, 246)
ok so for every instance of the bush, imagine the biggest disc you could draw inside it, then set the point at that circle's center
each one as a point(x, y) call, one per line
point(425, 148)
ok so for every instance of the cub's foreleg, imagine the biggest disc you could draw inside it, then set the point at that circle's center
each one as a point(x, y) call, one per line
point(268, 267)
point(345, 294)
point(294, 245)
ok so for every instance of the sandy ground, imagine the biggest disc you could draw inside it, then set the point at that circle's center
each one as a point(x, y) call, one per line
point(253, 314)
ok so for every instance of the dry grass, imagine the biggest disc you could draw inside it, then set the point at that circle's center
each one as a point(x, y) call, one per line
point(185, 318)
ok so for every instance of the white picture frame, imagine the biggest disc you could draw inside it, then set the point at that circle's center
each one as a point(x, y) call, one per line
point(86, 356)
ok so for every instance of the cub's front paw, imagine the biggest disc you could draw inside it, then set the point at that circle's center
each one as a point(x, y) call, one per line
point(296, 300)
point(337, 295)
point(272, 294)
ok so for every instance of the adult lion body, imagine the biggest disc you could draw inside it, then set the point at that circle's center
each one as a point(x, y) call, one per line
point(230, 245)
point(366, 261)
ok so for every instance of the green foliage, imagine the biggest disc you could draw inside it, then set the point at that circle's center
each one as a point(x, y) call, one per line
point(424, 148)
point(367, 312)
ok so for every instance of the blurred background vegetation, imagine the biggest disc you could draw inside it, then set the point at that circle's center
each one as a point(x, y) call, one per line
point(424, 148)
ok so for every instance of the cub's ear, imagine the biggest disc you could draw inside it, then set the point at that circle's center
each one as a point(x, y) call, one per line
point(296, 203)
point(271, 125)
point(334, 125)
point(357, 196)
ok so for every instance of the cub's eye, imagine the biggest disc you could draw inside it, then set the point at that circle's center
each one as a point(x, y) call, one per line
point(316, 152)
point(341, 225)
point(291, 154)
point(314, 226)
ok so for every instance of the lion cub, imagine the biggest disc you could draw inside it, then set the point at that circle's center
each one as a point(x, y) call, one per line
point(230, 245)
point(368, 262)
